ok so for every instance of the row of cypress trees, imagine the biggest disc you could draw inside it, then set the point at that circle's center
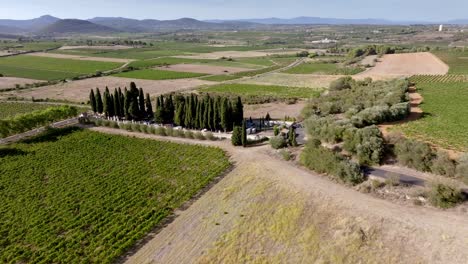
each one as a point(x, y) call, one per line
point(130, 104)
point(199, 112)
point(192, 111)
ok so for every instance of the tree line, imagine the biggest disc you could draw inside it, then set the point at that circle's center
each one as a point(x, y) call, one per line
point(191, 111)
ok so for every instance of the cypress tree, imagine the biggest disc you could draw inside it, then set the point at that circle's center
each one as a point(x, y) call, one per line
point(209, 115)
point(206, 111)
point(224, 114)
point(267, 117)
point(238, 112)
point(134, 110)
point(194, 109)
point(116, 104)
point(127, 101)
point(112, 108)
point(230, 115)
point(179, 117)
point(99, 104)
point(92, 101)
point(122, 103)
point(141, 103)
point(159, 115)
point(170, 110)
point(106, 102)
point(149, 107)
point(244, 134)
point(188, 112)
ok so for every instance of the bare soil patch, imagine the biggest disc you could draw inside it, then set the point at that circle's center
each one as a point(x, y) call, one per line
point(276, 110)
point(270, 211)
point(405, 65)
point(10, 82)
point(293, 80)
point(76, 57)
point(369, 60)
point(116, 47)
point(78, 91)
point(207, 69)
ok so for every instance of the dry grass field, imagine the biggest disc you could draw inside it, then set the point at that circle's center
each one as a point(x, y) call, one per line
point(115, 47)
point(405, 65)
point(293, 80)
point(238, 54)
point(11, 82)
point(276, 110)
point(78, 91)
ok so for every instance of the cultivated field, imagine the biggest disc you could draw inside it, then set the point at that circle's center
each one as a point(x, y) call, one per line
point(76, 57)
point(157, 74)
point(89, 197)
point(323, 68)
point(457, 60)
point(405, 65)
point(445, 118)
point(43, 68)
point(10, 109)
point(11, 82)
point(238, 54)
point(205, 69)
point(78, 91)
point(113, 47)
point(253, 90)
point(293, 80)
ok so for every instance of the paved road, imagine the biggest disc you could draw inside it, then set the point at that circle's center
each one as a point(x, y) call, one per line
point(404, 178)
point(18, 137)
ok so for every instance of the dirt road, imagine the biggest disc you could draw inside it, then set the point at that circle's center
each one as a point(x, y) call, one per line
point(268, 210)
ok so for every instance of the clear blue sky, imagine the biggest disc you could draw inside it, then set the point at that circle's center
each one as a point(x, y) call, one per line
point(430, 10)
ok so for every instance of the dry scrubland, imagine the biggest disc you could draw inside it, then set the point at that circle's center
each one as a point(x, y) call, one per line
point(78, 91)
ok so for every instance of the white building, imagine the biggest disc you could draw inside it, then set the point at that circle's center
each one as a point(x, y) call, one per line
point(441, 28)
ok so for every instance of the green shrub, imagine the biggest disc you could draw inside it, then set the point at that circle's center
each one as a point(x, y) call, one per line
point(198, 135)
point(189, 134)
point(135, 127)
point(286, 155)
point(445, 194)
point(161, 131)
point(323, 160)
point(152, 130)
point(236, 138)
point(341, 84)
point(443, 165)
point(278, 142)
point(115, 125)
point(210, 136)
point(178, 133)
point(414, 154)
point(170, 131)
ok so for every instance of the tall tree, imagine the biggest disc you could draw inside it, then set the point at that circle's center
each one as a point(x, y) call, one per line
point(99, 104)
point(117, 103)
point(179, 117)
point(224, 114)
point(127, 102)
point(159, 114)
point(134, 110)
point(238, 111)
point(141, 103)
point(106, 102)
point(92, 101)
point(149, 107)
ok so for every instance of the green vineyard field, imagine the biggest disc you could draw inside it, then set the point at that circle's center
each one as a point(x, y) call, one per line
point(78, 196)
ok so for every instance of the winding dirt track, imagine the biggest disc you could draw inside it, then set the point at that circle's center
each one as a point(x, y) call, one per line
point(224, 226)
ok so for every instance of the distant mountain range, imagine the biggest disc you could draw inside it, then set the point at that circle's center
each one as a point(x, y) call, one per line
point(49, 25)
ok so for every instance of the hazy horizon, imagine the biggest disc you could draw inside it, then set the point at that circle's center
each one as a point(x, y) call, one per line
point(398, 10)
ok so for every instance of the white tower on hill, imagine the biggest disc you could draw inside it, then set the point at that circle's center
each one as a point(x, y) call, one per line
point(441, 28)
